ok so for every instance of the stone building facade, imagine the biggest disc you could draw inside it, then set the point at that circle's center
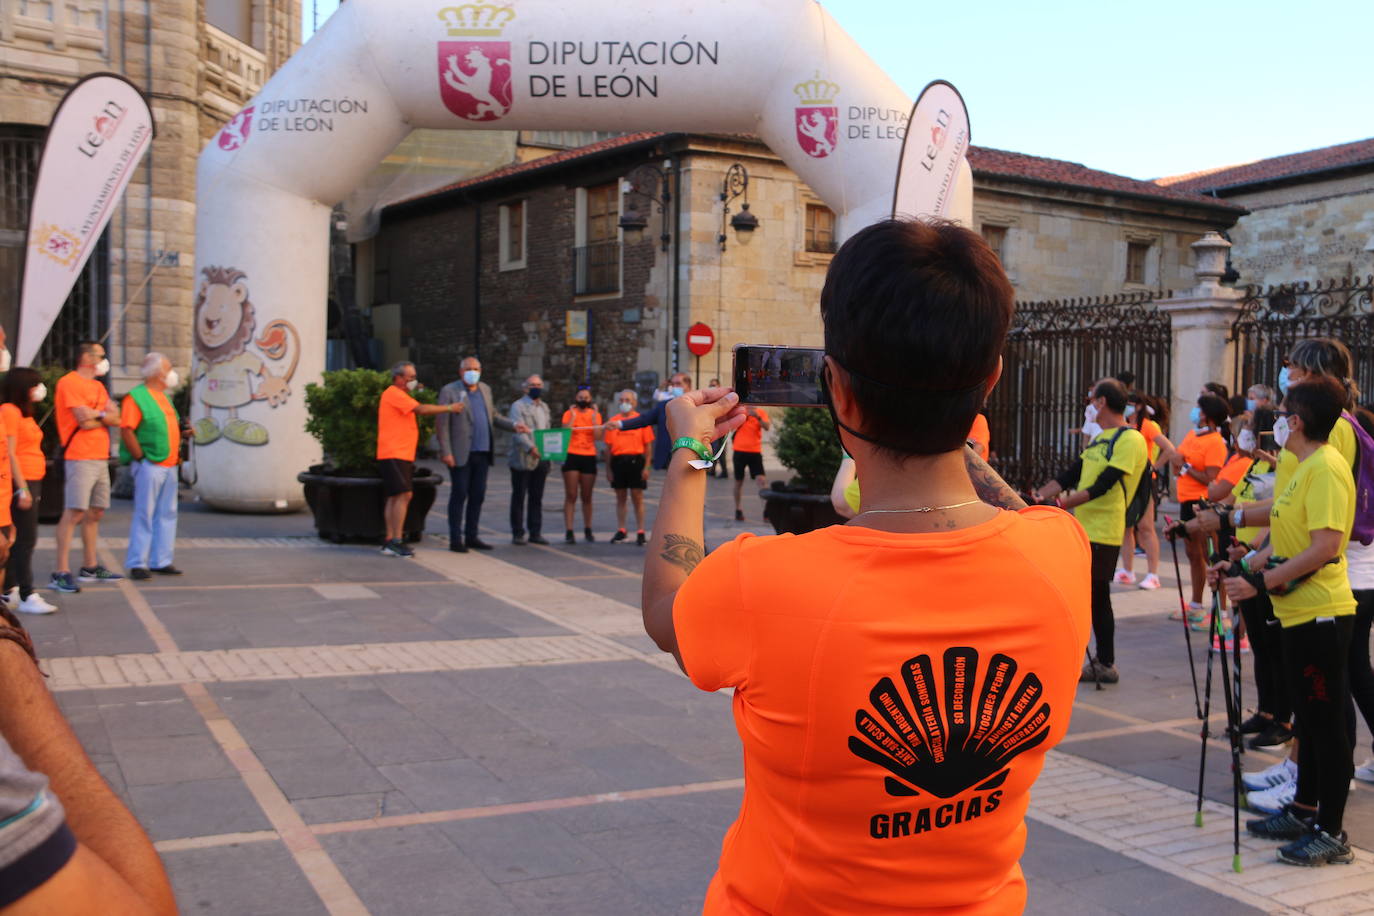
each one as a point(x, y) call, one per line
point(198, 61)
point(1311, 213)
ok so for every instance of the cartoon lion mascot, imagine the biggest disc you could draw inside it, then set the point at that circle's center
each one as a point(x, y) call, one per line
point(229, 373)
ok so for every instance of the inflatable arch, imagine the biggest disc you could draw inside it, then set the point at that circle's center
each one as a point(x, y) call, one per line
point(780, 69)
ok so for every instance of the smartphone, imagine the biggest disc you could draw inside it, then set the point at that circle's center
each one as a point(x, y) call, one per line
point(1267, 443)
point(778, 376)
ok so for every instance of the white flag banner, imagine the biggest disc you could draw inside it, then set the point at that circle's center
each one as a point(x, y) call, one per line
point(936, 142)
point(101, 131)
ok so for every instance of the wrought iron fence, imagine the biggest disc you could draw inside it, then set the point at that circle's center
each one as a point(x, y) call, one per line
point(1273, 318)
point(596, 269)
point(1055, 351)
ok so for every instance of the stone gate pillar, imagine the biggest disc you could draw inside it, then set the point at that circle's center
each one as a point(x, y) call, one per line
point(1202, 318)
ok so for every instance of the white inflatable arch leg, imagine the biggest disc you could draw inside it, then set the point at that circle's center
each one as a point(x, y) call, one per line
point(780, 69)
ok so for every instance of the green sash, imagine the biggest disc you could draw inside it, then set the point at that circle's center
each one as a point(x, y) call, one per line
point(152, 429)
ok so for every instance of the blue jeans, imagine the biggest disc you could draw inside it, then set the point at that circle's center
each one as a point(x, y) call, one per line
point(470, 487)
point(153, 531)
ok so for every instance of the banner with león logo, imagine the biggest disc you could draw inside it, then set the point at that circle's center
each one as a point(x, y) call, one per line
point(100, 133)
point(936, 143)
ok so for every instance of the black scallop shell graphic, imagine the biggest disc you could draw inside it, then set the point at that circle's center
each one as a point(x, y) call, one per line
point(948, 745)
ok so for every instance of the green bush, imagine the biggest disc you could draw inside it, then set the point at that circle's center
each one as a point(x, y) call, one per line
point(343, 417)
point(808, 447)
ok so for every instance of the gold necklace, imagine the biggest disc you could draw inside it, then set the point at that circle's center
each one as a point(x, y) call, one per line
point(921, 509)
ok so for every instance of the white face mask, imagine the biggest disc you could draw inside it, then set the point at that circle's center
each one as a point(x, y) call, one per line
point(102, 368)
point(471, 376)
point(1281, 431)
point(1090, 412)
point(626, 407)
point(412, 384)
point(38, 393)
point(5, 359)
point(172, 380)
point(1246, 440)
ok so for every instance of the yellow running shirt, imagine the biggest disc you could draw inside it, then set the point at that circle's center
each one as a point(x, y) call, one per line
point(1320, 494)
point(1104, 518)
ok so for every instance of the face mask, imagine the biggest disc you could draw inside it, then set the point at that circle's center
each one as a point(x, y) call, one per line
point(471, 376)
point(1246, 440)
point(536, 393)
point(5, 359)
point(675, 391)
point(1130, 411)
point(412, 384)
point(172, 380)
point(1283, 380)
point(102, 368)
point(584, 403)
point(1281, 431)
point(626, 407)
point(1195, 416)
point(1090, 412)
point(1251, 404)
point(39, 392)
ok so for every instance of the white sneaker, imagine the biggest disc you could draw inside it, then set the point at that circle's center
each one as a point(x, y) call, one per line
point(1284, 771)
point(1124, 578)
point(1150, 582)
point(1272, 801)
point(1365, 771)
point(12, 596)
point(34, 604)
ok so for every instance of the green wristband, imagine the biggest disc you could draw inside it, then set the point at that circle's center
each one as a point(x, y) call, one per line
point(693, 444)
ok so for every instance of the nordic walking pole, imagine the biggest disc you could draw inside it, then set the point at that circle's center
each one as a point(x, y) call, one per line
point(1097, 678)
point(1206, 711)
point(1233, 734)
point(1183, 612)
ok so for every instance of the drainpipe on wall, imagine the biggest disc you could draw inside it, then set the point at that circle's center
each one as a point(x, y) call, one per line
point(677, 267)
point(148, 217)
point(124, 207)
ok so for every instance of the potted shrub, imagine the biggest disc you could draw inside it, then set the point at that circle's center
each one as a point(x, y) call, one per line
point(806, 445)
point(345, 492)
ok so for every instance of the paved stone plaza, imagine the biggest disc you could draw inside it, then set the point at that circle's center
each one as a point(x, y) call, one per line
point(308, 728)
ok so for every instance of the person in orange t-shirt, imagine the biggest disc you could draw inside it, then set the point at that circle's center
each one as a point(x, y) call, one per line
point(24, 389)
point(579, 468)
point(84, 414)
point(628, 452)
point(398, 433)
point(1197, 462)
point(894, 712)
point(979, 437)
point(748, 457)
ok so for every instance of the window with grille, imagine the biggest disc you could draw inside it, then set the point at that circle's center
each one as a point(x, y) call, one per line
point(596, 265)
point(1136, 255)
point(512, 235)
point(820, 229)
point(996, 237)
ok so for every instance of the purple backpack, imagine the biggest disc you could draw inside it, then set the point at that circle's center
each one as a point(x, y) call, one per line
point(1363, 529)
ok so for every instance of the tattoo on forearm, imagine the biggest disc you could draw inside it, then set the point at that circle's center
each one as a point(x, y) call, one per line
point(990, 487)
point(682, 551)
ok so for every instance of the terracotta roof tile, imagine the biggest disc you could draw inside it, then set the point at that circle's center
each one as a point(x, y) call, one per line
point(1317, 160)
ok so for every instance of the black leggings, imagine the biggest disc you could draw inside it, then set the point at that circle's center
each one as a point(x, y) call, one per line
point(1315, 656)
point(1263, 630)
point(19, 570)
point(1104, 624)
point(1361, 676)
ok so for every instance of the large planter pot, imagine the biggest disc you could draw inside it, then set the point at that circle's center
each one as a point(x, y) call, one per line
point(353, 508)
point(792, 512)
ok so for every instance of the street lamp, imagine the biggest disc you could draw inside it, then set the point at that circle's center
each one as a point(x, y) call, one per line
point(632, 222)
point(744, 223)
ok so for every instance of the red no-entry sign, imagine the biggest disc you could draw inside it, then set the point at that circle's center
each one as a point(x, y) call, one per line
point(700, 339)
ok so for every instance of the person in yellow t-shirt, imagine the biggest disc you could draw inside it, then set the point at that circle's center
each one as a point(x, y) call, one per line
point(1307, 580)
point(1098, 487)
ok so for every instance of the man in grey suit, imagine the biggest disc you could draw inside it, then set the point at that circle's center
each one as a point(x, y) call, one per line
point(466, 441)
point(528, 469)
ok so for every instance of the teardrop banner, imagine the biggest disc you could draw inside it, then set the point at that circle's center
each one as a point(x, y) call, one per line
point(936, 143)
point(99, 134)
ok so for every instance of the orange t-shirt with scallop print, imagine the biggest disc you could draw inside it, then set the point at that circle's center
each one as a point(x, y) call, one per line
point(28, 441)
point(894, 710)
point(582, 441)
point(1199, 452)
point(980, 434)
point(398, 432)
point(629, 441)
point(75, 390)
point(749, 437)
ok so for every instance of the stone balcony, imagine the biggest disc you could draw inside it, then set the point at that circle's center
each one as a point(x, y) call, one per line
point(34, 30)
point(234, 71)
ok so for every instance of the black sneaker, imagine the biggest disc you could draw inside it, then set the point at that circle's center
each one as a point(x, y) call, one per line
point(569, 538)
point(478, 544)
point(1096, 672)
point(518, 540)
point(1256, 724)
point(139, 573)
point(619, 536)
point(739, 515)
point(1275, 735)
point(97, 574)
point(587, 535)
point(393, 549)
point(167, 571)
point(1286, 825)
point(640, 540)
point(1317, 847)
point(457, 547)
point(406, 550)
point(536, 539)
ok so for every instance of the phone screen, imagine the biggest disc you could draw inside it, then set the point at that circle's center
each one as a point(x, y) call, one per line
point(1267, 443)
point(779, 376)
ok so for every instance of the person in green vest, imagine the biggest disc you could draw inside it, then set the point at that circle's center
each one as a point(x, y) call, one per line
point(150, 433)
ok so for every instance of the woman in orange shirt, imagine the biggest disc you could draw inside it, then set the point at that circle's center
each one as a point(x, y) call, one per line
point(23, 388)
point(893, 710)
point(579, 469)
point(1199, 459)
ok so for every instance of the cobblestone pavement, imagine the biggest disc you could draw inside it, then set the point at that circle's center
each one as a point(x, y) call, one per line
point(308, 728)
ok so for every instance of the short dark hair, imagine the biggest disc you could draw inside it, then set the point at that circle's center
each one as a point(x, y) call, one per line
point(1237, 405)
point(1318, 403)
point(916, 312)
point(19, 381)
point(1114, 392)
point(1126, 377)
point(1214, 409)
point(84, 348)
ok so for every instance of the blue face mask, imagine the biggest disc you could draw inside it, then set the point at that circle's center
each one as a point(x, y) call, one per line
point(1283, 380)
point(676, 391)
point(536, 393)
point(1251, 404)
point(471, 376)
point(1130, 411)
point(1195, 416)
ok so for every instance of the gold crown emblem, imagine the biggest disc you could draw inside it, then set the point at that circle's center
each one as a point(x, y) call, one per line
point(816, 91)
point(476, 19)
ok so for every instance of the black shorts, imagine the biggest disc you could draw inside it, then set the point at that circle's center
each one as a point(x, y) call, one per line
point(750, 461)
point(397, 474)
point(583, 464)
point(627, 472)
point(1187, 510)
